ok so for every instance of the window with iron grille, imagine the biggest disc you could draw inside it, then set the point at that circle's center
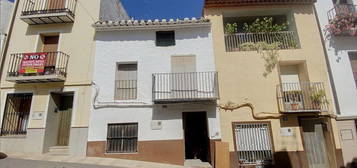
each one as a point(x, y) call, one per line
point(122, 138)
point(253, 144)
point(126, 81)
point(16, 114)
point(165, 38)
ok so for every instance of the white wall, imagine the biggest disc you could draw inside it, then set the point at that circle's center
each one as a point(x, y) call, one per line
point(139, 46)
point(337, 51)
point(5, 14)
point(2, 41)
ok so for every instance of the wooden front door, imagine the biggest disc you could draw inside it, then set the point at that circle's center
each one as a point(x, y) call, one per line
point(55, 4)
point(314, 142)
point(65, 114)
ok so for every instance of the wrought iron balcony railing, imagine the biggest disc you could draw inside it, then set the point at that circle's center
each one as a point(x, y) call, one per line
point(239, 41)
point(180, 87)
point(37, 67)
point(48, 11)
point(341, 10)
point(302, 97)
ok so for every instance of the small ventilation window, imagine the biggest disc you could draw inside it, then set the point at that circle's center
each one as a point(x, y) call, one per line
point(165, 38)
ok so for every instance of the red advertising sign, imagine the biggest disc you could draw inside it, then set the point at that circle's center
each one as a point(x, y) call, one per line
point(33, 63)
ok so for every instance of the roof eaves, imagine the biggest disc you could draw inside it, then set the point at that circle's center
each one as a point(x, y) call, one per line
point(149, 24)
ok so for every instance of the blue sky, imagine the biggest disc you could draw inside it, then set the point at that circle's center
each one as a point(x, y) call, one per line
point(163, 9)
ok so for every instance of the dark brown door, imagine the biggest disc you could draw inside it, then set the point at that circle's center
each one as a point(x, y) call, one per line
point(196, 136)
point(50, 45)
point(56, 4)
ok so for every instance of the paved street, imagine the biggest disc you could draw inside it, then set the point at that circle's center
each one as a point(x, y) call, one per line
point(22, 163)
point(45, 161)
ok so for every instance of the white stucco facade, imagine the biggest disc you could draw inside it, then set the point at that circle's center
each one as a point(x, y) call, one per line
point(337, 49)
point(138, 46)
point(5, 14)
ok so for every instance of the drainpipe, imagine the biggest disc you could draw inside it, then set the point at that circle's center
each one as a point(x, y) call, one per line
point(112, 104)
point(7, 40)
point(333, 87)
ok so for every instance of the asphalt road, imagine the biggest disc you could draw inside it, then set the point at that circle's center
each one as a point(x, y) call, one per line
point(21, 163)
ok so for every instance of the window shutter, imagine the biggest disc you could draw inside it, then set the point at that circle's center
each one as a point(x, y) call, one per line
point(126, 82)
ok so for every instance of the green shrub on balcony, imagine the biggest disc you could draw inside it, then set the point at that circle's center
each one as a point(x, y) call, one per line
point(264, 25)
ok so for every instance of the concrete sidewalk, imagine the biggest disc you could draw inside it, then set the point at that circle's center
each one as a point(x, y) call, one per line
point(71, 161)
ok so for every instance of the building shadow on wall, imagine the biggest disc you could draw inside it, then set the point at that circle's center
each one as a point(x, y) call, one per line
point(286, 158)
point(341, 44)
point(282, 159)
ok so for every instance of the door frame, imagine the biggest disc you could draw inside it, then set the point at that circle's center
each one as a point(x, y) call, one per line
point(38, 44)
point(184, 116)
point(65, 94)
point(329, 147)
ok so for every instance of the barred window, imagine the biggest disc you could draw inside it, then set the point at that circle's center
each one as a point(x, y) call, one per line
point(16, 114)
point(253, 144)
point(122, 138)
point(126, 82)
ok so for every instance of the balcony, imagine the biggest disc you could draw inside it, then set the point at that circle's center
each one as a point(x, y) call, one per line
point(37, 67)
point(340, 10)
point(239, 41)
point(342, 20)
point(48, 11)
point(306, 97)
point(185, 87)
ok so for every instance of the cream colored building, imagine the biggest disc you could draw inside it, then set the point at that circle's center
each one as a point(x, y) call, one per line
point(292, 123)
point(46, 75)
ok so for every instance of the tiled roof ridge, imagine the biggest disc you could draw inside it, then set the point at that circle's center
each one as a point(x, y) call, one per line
point(145, 23)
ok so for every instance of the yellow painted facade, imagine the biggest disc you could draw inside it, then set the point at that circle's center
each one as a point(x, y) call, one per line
point(76, 40)
point(241, 76)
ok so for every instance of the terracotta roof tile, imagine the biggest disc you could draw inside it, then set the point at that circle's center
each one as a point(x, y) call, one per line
point(150, 24)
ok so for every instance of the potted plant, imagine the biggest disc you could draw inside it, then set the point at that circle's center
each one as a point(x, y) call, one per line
point(295, 99)
point(343, 24)
point(318, 98)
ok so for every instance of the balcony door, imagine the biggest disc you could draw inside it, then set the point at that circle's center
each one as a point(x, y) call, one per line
point(50, 46)
point(291, 87)
point(184, 77)
point(55, 4)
